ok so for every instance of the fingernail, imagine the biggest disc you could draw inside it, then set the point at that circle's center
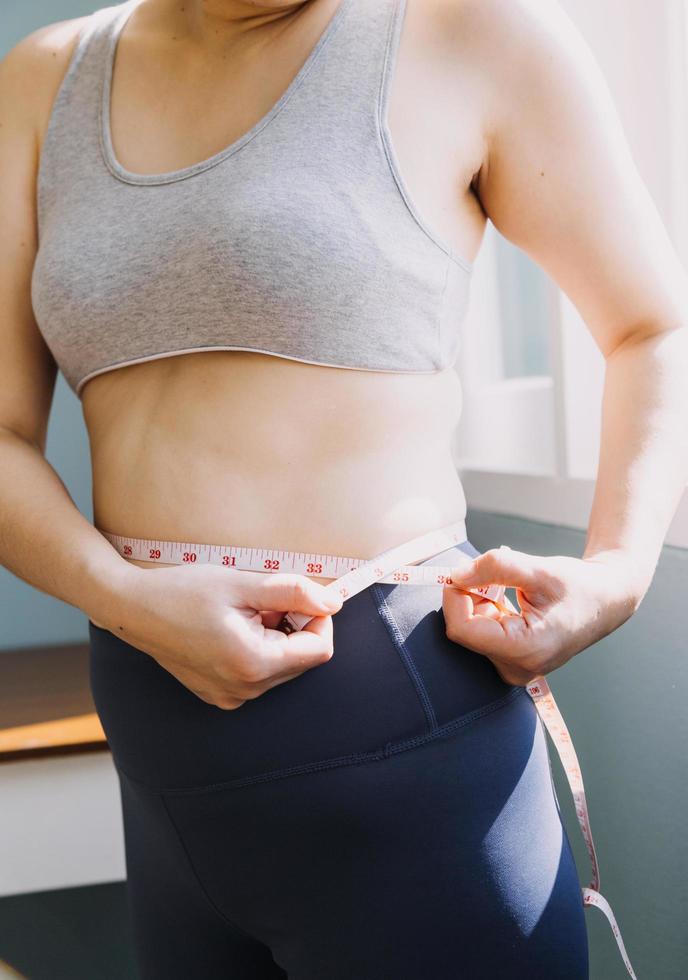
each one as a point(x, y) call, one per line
point(331, 601)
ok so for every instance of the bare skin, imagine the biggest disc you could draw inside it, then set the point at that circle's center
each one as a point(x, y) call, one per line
point(494, 111)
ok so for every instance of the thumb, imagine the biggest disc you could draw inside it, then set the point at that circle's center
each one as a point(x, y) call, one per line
point(498, 566)
point(286, 592)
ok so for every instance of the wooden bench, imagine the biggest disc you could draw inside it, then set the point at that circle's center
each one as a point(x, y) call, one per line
point(46, 706)
point(60, 818)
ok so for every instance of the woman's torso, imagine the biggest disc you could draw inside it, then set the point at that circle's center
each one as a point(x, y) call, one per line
point(251, 449)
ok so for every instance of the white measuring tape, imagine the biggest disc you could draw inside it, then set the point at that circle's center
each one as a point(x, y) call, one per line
point(393, 566)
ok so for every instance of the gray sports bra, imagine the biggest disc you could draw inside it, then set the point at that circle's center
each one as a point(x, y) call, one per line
point(299, 239)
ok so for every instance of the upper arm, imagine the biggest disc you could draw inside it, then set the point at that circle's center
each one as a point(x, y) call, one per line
point(30, 75)
point(559, 179)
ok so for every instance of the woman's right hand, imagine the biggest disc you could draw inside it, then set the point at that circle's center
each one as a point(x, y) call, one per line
point(213, 628)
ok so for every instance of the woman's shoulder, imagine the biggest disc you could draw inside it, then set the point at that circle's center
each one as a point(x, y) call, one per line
point(491, 33)
point(32, 71)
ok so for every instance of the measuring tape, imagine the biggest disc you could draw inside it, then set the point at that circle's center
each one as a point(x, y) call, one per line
point(394, 571)
point(393, 566)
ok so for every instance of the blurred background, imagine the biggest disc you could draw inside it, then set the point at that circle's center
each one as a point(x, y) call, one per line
point(527, 450)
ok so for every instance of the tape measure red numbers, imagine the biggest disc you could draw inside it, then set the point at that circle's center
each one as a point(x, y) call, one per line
point(394, 566)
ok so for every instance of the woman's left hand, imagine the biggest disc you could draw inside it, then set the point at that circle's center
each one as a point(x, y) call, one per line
point(566, 604)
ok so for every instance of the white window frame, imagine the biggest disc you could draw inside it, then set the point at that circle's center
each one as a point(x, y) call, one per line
point(529, 446)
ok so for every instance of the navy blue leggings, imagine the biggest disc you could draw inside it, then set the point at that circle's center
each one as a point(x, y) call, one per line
point(387, 815)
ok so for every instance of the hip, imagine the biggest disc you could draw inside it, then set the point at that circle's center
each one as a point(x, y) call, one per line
point(394, 681)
